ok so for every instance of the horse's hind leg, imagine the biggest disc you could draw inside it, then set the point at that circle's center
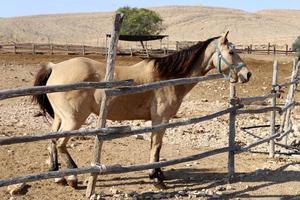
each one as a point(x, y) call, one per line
point(156, 144)
point(68, 125)
point(53, 159)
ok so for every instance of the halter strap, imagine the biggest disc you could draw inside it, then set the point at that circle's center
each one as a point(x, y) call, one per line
point(222, 59)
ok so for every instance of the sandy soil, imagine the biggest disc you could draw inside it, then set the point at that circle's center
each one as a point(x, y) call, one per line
point(258, 177)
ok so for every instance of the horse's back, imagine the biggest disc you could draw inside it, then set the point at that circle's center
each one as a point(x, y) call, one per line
point(76, 70)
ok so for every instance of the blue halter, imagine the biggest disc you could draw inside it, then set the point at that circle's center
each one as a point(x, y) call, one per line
point(222, 59)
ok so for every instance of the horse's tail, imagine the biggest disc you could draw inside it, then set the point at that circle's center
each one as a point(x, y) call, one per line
point(41, 79)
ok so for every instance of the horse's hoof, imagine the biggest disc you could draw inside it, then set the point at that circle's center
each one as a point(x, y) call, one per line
point(73, 183)
point(160, 185)
point(60, 181)
point(157, 174)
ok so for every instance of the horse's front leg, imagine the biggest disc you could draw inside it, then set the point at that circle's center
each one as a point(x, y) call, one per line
point(156, 144)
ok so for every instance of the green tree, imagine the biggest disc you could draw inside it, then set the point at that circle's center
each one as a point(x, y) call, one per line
point(296, 47)
point(140, 21)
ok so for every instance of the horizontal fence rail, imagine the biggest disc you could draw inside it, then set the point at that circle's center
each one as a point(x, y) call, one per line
point(159, 84)
point(112, 169)
point(111, 133)
point(11, 93)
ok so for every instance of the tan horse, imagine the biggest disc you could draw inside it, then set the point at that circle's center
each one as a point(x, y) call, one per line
point(70, 109)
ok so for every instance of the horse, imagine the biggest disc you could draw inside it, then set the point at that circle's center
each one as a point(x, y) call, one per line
point(70, 109)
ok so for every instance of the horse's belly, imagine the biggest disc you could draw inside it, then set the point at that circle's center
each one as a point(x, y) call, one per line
point(131, 107)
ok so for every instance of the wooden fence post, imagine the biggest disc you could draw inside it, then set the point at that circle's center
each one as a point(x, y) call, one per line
point(286, 49)
point(231, 136)
point(104, 102)
point(273, 113)
point(15, 48)
point(51, 49)
point(274, 49)
point(290, 99)
point(269, 46)
point(33, 49)
point(83, 49)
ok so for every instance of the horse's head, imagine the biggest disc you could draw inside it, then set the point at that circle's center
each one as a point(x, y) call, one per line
point(228, 62)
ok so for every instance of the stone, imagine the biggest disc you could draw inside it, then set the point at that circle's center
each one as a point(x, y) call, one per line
point(182, 193)
point(220, 188)
point(158, 196)
point(114, 190)
point(139, 137)
point(16, 189)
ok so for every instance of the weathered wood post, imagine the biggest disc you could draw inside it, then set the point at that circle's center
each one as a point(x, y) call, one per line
point(83, 49)
point(290, 99)
point(33, 49)
point(286, 49)
point(274, 49)
point(269, 46)
point(231, 136)
point(15, 48)
point(273, 113)
point(51, 49)
point(103, 108)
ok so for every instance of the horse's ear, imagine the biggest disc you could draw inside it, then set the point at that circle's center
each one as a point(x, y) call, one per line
point(224, 39)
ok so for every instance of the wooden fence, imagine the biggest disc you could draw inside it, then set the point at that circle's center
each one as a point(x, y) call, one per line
point(268, 49)
point(103, 133)
point(110, 133)
point(71, 49)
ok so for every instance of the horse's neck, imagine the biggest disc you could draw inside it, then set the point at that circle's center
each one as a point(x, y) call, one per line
point(201, 67)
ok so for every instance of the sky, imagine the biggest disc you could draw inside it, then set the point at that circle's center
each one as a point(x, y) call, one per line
point(10, 8)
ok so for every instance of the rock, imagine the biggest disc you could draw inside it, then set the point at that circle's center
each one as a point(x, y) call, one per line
point(16, 189)
point(158, 196)
point(132, 194)
point(198, 193)
point(220, 188)
point(209, 192)
point(93, 197)
point(139, 137)
point(114, 190)
point(182, 193)
point(228, 187)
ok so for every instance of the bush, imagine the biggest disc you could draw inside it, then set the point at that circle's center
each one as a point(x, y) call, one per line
point(296, 46)
point(140, 21)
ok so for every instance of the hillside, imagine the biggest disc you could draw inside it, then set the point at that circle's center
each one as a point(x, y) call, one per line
point(182, 23)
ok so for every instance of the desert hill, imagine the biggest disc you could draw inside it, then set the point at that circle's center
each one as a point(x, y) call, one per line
point(181, 22)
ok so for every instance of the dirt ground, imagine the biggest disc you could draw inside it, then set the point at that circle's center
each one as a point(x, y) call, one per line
point(258, 177)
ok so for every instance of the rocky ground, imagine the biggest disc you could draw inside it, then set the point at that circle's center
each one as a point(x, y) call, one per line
point(258, 177)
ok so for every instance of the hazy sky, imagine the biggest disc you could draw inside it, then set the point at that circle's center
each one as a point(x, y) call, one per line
point(10, 8)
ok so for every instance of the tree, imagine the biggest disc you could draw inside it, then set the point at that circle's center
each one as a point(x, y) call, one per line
point(140, 21)
point(296, 47)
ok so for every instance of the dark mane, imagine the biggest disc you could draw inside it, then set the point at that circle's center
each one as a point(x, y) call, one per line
point(180, 63)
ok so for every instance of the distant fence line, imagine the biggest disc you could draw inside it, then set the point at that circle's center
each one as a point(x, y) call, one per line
point(72, 49)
